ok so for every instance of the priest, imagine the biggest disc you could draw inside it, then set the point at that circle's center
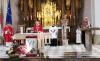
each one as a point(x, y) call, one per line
point(37, 27)
point(85, 25)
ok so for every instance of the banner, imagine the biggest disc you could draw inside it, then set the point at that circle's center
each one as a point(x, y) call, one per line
point(9, 14)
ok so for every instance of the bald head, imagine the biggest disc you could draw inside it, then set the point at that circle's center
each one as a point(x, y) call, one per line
point(85, 18)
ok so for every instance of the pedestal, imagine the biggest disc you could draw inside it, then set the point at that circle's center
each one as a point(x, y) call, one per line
point(65, 42)
point(65, 31)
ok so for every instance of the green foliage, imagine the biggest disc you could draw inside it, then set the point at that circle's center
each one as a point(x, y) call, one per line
point(1, 37)
point(33, 22)
point(1, 40)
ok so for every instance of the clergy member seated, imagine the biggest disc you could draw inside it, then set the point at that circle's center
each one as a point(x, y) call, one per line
point(8, 33)
point(37, 27)
point(53, 30)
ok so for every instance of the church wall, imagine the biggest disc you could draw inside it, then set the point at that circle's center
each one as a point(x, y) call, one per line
point(92, 11)
point(97, 15)
point(14, 12)
point(4, 4)
point(97, 20)
point(87, 9)
point(15, 18)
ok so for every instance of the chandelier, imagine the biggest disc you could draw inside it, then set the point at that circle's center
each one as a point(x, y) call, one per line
point(49, 14)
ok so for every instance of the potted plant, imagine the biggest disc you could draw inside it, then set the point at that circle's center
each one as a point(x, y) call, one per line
point(1, 40)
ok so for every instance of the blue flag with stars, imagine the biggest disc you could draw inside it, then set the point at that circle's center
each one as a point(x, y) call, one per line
point(9, 14)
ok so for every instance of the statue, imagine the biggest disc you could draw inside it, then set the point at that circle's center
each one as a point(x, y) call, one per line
point(65, 27)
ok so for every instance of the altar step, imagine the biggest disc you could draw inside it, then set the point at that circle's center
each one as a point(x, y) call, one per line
point(60, 51)
point(71, 51)
point(63, 51)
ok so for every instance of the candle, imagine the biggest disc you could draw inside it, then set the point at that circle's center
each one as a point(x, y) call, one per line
point(21, 30)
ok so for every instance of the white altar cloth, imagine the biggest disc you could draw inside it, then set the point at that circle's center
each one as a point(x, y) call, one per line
point(41, 37)
point(23, 35)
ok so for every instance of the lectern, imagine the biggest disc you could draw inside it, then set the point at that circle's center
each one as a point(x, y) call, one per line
point(89, 36)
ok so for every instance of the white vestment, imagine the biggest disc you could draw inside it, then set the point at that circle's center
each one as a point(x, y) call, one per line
point(78, 36)
point(53, 31)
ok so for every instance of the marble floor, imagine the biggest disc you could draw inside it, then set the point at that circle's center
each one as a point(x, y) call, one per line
point(59, 51)
point(62, 51)
point(75, 50)
point(3, 50)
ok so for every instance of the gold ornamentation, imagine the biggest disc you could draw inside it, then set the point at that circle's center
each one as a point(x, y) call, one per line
point(68, 3)
point(30, 3)
point(49, 14)
point(22, 2)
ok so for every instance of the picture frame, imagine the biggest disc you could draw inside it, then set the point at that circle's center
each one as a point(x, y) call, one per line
point(32, 44)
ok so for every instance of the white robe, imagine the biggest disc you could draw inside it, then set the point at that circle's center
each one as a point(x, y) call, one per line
point(78, 36)
point(53, 31)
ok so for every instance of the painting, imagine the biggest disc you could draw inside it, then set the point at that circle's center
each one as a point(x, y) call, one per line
point(31, 43)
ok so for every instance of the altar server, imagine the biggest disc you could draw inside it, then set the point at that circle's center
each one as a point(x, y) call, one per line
point(53, 30)
point(8, 33)
point(78, 35)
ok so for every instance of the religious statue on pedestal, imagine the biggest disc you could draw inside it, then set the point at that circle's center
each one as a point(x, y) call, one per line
point(65, 29)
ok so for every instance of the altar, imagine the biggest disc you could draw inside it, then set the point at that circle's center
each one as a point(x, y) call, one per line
point(22, 36)
point(38, 39)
